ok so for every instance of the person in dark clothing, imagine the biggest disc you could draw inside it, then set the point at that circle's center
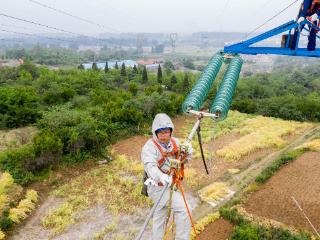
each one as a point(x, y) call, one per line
point(310, 10)
point(313, 13)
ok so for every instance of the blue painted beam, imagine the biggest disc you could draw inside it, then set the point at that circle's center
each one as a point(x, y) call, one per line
point(276, 50)
point(244, 46)
point(285, 27)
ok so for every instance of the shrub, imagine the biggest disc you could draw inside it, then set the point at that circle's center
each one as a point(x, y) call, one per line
point(76, 129)
point(13, 161)
point(47, 149)
point(18, 107)
point(245, 232)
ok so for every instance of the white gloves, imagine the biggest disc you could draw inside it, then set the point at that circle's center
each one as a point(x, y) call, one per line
point(186, 148)
point(300, 20)
point(166, 179)
point(149, 181)
point(313, 18)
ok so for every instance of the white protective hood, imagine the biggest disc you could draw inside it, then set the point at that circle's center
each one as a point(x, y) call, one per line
point(161, 120)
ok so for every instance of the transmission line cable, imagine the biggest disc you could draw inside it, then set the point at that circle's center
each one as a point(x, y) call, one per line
point(35, 35)
point(220, 16)
point(270, 19)
point(43, 25)
point(73, 16)
point(50, 27)
point(24, 28)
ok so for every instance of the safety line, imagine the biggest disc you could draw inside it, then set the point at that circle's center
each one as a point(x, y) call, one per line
point(73, 16)
point(247, 35)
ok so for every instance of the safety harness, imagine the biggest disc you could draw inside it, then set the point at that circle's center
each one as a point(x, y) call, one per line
point(174, 154)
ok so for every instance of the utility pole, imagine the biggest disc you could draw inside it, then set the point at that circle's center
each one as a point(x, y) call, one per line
point(140, 42)
point(173, 38)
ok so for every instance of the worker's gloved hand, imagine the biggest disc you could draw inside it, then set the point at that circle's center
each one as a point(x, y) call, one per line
point(150, 181)
point(186, 148)
point(313, 18)
point(166, 179)
point(300, 20)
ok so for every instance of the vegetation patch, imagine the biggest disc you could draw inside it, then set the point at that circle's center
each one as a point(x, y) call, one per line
point(211, 130)
point(116, 185)
point(191, 177)
point(14, 204)
point(313, 145)
point(214, 192)
point(246, 229)
point(259, 133)
point(17, 137)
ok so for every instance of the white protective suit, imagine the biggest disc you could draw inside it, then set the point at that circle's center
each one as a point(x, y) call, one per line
point(150, 155)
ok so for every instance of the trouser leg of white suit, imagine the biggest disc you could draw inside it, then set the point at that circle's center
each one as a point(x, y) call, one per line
point(181, 218)
point(160, 214)
point(159, 223)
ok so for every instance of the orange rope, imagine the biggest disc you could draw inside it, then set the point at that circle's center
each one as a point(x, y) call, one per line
point(177, 177)
point(185, 202)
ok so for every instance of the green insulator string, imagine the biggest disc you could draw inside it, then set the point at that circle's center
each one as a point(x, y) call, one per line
point(200, 91)
point(223, 99)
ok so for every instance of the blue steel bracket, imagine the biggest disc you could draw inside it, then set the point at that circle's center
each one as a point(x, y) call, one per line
point(244, 46)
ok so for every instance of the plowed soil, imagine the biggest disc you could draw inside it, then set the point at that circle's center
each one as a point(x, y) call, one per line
point(299, 179)
point(218, 230)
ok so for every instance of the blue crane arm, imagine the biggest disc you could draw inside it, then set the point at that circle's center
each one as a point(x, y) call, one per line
point(245, 47)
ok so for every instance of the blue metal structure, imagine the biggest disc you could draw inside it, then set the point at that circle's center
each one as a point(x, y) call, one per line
point(290, 42)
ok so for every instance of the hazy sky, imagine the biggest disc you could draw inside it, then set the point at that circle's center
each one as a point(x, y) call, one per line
point(182, 16)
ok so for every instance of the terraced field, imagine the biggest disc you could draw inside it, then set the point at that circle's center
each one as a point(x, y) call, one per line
point(96, 203)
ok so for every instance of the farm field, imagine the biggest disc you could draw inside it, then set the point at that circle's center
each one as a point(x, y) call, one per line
point(105, 197)
point(273, 203)
point(299, 179)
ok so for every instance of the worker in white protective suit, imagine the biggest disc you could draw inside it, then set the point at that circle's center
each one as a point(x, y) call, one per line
point(155, 156)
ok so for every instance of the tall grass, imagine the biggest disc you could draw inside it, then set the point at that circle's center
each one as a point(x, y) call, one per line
point(259, 133)
point(117, 186)
point(313, 145)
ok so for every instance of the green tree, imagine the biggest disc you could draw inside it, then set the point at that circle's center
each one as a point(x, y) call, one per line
point(123, 70)
point(116, 66)
point(168, 66)
point(186, 83)
point(19, 106)
point(106, 68)
point(30, 68)
point(144, 75)
point(188, 63)
point(81, 67)
point(173, 80)
point(159, 74)
point(135, 69)
point(133, 88)
point(94, 66)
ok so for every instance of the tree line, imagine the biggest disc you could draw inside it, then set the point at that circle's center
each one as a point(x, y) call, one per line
point(80, 112)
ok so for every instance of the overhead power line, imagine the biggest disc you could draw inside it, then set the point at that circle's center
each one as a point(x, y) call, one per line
point(270, 19)
point(74, 16)
point(35, 35)
point(42, 25)
point(220, 16)
point(24, 28)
